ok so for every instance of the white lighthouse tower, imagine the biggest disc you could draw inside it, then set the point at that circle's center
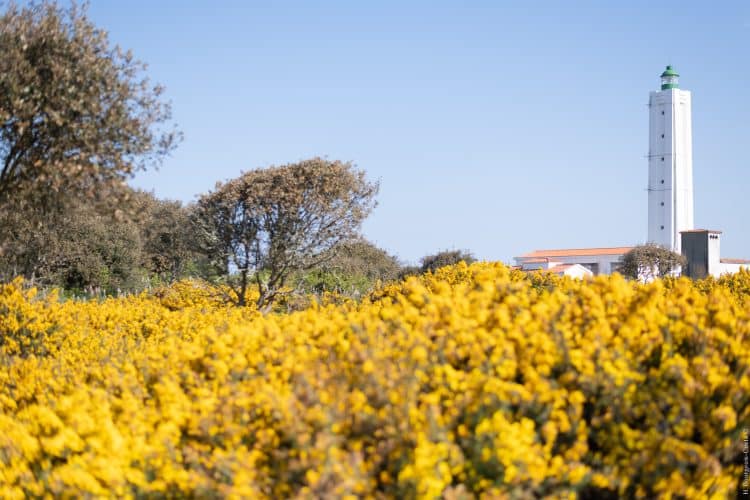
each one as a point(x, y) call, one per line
point(670, 163)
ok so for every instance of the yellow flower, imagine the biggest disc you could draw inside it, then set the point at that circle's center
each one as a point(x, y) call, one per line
point(476, 379)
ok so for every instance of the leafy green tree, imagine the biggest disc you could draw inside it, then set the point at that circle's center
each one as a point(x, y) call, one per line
point(269, 223)
point(77, 116)
point(351, 268)
point(363, 258)
point(78, 249)
point(22, 242)
point(96, 252)
point(650, 261)
point(169, 250)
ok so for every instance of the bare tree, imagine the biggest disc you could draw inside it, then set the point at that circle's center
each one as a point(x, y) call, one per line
point(271, 222)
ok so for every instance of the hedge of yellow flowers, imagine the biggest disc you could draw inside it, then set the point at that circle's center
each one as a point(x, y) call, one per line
point(476, 381)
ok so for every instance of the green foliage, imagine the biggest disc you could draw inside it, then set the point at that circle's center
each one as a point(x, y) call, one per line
point(650, 261)
point(86, 249)
point(431, 263)
point(361, 258)
point(77, 116)
point(320, 281)
point(169, 252)
point(77, 119)
point(92, 251)
point(351, 268)
point(281, 219)
point(79, 249)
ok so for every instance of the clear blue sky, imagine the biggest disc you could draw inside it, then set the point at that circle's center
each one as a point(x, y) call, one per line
point(496, 127)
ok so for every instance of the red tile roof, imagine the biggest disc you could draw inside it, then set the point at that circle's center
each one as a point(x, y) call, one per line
point(574, 252)
point(735, 261)
point(701, 231)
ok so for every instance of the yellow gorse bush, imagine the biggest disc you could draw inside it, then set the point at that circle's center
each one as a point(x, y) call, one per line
point(473, 381)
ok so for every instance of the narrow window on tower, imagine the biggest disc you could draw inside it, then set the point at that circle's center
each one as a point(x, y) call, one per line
point(662, 181)
point(662, 158)
point(662, 203)
point(662, 136)
point(662, 112)
point(662, 227)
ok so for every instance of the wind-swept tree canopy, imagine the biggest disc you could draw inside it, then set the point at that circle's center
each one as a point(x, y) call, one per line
point(650, 261)
point(77, 115)
point(268, 223)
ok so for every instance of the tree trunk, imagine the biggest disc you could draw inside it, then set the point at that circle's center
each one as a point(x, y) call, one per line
point(243, 288)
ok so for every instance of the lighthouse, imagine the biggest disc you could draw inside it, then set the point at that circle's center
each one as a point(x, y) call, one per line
point(670, 201)
point(670, 163)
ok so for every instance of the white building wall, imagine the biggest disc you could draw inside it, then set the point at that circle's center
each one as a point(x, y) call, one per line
point(715, 266)
point(604, 263)
point(731, 268)
point(670, 167)
point(578, 272)
point(534, 265)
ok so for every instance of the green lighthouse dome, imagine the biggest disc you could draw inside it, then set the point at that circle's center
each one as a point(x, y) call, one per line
point(669, 79)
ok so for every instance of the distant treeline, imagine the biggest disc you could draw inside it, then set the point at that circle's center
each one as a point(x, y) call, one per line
point(89, 250)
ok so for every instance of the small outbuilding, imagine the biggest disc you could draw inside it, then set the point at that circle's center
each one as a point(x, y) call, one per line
point(702, 250)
